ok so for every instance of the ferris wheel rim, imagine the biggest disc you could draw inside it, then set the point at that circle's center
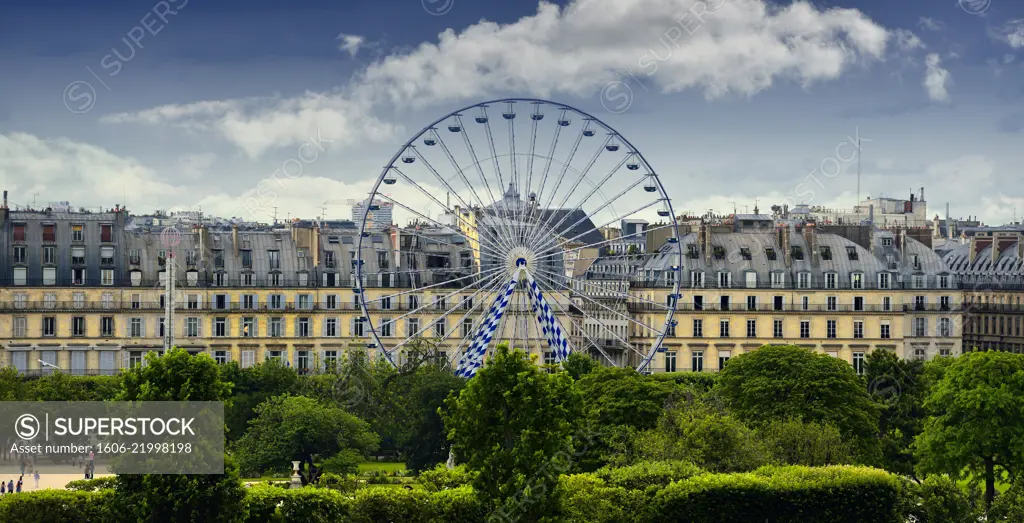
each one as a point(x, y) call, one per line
point(358, 286)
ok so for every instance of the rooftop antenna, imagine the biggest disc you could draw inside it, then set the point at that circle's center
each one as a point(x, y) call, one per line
point(34, 199)
point(858, 171)
point(733, 207)
point(275, 215)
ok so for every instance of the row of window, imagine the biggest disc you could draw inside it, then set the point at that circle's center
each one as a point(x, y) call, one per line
point(998, 325)
point(831, 303)
point(804, 280)
point(49, 232)
point(248, 327)
point(944, 328)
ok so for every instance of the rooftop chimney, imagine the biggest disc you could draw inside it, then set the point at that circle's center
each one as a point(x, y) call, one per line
point(234, 237)
point(5, 199)
point(811, 237)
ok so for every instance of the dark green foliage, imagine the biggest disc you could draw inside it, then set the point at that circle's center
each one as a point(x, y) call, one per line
point(782, 495)
point(297, 428)
point(706, 436)
point(420, 432)
point(344, 462)
point(790, 382)
point(795, 442)
point(696, 381)
point(253, 386)
point(175, 376)
point(938, 499)
point(899, 388)
point(1009, 506)
point(61, 386)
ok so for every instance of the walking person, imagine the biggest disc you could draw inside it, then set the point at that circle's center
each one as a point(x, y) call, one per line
point(10, 486)
point(20, 482)
point(3, 488)
point(36, 477)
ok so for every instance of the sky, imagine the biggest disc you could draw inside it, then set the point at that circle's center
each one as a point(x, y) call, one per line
point(196, 104)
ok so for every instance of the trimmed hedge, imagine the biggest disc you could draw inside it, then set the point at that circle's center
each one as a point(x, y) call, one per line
point(92, 485)
point(56, 506)
point(778, 494)
point(840, 494)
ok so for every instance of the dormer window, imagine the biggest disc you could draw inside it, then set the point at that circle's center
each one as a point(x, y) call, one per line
point(745, 253)
point(770, 253)
point(886, 242)
point(797, 252)
point(719, 252)
point(691, 251)
point(851, 252)
point(826, 253)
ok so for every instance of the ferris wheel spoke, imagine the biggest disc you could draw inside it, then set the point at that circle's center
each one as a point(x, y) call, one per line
point(579, 179)
point(429, 325)
point(472, 310)
point(565, 168)
point(439, 284)
point(425, 217)
point(586, 216)
point(605, 242)
point(551, 290)
point(426, 306)
point(599, 227)
point(561, 122)
point(476, 161)
point(435, 200)
point(617, 313)
point(623, 295)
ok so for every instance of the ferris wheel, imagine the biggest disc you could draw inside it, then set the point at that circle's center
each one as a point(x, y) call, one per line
point(521, 221)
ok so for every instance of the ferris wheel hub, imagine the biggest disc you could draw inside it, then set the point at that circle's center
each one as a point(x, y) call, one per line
point(520, 257)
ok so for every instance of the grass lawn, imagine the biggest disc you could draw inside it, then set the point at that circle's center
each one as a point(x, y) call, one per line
point(377, 466)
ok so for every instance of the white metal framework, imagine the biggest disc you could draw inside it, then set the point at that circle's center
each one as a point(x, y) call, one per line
point(514, 211)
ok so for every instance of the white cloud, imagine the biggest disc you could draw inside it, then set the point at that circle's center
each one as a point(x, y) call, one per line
point(719, 47)
point(194, 166)
point(930, 24)
point(257, 125)
point(907, 40)
point(936, 79)
point(1012, 33)
point(351, 43)
point(78, 172)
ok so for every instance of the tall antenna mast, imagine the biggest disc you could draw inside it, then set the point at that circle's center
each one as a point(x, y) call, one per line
point(275, 215)
point(858, 171)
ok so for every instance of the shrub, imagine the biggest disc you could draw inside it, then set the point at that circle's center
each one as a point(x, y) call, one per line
point(784, 495)
point(457, 505)
point(375, 505)
point(586, 498)
point(440, 478)
point(56, 505)
point(1009, 506)
point(92, 485)
point(645, 474)
point(940, 499)
point(313, 505)
point(340, 482)
point(698, 381)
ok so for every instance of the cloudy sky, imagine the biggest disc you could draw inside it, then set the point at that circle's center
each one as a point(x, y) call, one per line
point(194, 104)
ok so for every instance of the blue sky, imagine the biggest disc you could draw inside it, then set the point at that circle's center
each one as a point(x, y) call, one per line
point(107, 103)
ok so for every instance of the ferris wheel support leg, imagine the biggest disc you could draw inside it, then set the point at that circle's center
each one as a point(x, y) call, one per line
point(548, 322)
point(473, 358)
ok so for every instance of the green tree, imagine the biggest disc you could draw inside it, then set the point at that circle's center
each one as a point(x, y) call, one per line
point(705, 436)
point(422, 437)
point(619, 403)
point(579, 365)
point(779, 382)
point(60, 386)
point(812, 444)
point(977, 423)
point(296, 428)
point(251, 387)
point(12, 385)
point(899, 387)
point(159, 498)
point(513, 424)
